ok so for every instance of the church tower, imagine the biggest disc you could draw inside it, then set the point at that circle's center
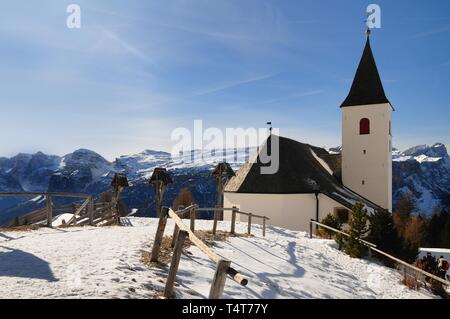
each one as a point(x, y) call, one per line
point(367, 135)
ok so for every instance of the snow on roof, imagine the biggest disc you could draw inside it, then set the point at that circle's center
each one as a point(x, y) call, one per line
point(323, 163)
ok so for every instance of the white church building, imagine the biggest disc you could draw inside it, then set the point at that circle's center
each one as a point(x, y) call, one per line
point(312, 183)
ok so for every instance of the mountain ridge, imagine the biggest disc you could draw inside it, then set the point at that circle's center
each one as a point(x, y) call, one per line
point(422, 170)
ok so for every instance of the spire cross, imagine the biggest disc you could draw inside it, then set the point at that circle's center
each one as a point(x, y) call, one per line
point(368, 31)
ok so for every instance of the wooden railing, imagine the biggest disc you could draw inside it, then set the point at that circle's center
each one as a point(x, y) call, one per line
point(181, 232)
point(234, 212)
point(86, 213)
point(374, 248)
point(49, 203)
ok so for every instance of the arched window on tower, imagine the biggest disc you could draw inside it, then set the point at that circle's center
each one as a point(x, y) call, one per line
point(364, 127)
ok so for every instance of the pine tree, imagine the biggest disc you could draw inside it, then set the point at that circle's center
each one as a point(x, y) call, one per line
point(184, 198)
point(405, 208)
point(358, 230)
point(384, 235)
point(331, 221)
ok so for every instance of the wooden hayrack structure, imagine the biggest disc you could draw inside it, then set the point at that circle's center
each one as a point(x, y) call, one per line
point(160, 179)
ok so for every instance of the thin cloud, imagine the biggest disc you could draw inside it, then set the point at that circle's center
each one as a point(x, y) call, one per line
point(129, 47)
point(431, 32)
point(308, 93)
point(229, 85)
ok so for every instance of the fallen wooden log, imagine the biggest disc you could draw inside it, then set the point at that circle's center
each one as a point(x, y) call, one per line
point(206, 250)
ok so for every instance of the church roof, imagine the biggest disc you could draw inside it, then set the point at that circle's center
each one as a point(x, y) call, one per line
point(303, 169)
point(367, 87)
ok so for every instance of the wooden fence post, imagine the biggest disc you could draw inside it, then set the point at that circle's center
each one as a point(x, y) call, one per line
point(49, 211)
point(264, 227)
point(192, 215)
point(91, 211)
point(159, 234)
point(220, 277)
point(233, 220)
point(216, 216)
point(176, 230)
point(310, 229)
point(168, 290)
point(249, 231)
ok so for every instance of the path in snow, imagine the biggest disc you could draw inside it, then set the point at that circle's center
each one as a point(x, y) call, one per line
point(106, 263)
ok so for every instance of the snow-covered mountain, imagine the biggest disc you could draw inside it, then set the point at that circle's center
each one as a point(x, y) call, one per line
point(85, 171)
point(423, 170)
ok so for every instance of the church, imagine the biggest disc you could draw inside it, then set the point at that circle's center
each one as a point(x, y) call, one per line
point(312, 183)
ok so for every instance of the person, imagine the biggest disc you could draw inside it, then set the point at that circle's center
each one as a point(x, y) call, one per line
point(429, 263)
point(443, 267)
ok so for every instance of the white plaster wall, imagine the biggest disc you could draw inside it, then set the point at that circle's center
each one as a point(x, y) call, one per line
point(374, 167)
point(290, 211)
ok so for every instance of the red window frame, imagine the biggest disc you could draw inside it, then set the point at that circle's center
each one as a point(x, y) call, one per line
point(364, 126)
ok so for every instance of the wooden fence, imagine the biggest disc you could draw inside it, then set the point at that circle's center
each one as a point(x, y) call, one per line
point(86, 213)
point(181, 232)
point(234, 212)
point(374, 248)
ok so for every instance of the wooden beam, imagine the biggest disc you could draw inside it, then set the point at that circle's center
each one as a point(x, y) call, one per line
point(249, 229)
point(216, 216)
point(8, 194)
point(159, 234)
point(176, 230)
point(49, 211)
point(264, 227)
point(91, 211)
point(193, 213)
point(168, 291)
point(205, 249)
point(233, 220)
point(219, 279)
point(77, 212)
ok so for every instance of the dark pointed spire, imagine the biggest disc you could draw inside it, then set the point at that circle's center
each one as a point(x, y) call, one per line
point(367, 87)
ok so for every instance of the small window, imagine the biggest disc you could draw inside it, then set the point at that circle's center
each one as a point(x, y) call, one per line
point(342, 214)
point(390, 128)
point(364, 127)
point(363, 182)
point(364, 152)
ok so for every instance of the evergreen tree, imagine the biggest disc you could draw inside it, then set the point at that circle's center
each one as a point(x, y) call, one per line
point(384, 235)
point(406, 206)
point(331, 221)
point(439, 230)
point(358, 230)
point(183, 199)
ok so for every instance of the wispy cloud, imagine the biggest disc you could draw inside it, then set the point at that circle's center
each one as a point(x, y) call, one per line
point(308, 93)
point(431, 32)
point(131, 49)
point(232, 84)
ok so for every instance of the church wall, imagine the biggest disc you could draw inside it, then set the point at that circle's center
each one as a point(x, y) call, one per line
point(290, 211)
point(374, 166)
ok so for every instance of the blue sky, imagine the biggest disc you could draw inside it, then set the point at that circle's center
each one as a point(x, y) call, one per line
point(138, 69)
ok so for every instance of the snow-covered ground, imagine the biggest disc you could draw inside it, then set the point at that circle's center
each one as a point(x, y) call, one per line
point(106, 263)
